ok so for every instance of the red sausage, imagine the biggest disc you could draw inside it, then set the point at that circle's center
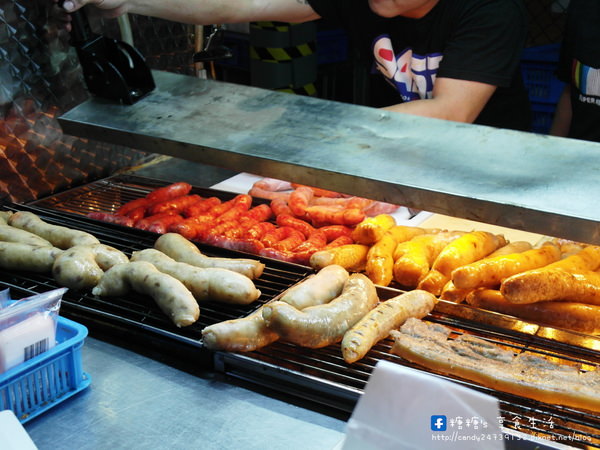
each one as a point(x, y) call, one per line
point(131, 205)
point(269, 195)
point(162, 225)
point(318, 192)
point(137, 213)
point(239, 244)
point(111, 218)
point(315, 241)
point(333, 232)
point(201, 207)
point(168, 192)
point(339, 241)
point(261, 213)
point(290, 242)
point(276, 235)
point(259, 230)
point(300, 199)
point(177, 204)
point(144, 223)
point(280, 206)
point(285, 220)
point(281, 255)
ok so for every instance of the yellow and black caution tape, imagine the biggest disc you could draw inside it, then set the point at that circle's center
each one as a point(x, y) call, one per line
point(283, 56)
point(275, 26)
point(308, 90)
point(277, 55)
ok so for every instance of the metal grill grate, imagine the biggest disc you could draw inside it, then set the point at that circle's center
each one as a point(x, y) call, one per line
point(319, 375)
point(136, 311)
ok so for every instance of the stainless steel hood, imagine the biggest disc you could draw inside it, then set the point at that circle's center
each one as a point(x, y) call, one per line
point(519, 180)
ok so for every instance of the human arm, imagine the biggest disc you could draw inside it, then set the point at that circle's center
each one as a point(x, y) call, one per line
point(453, 99)
point(204, 11)
point(563, 114)
point(481, 55)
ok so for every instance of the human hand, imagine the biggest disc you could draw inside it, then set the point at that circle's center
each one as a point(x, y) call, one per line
point(109, 8)
point(59, 19)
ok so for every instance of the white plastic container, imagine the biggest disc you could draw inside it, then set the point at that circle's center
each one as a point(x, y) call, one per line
point(26, 339)
point(28, 328)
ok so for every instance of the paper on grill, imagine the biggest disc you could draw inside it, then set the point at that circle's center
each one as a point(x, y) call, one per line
point(403, 408)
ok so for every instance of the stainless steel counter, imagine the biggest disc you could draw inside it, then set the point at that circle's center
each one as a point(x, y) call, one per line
point(135, 402)
point(514, 179)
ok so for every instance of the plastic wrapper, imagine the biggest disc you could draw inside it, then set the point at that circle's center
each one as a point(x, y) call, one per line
point(27, 326)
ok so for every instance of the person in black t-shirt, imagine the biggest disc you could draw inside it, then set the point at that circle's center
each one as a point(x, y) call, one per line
point(450, 59)
point(578, 110)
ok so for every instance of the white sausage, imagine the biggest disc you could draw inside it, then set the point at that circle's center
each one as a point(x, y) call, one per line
point(171, 296)
point(81, 267)
point(14, 234)
point(322, 325)
point(182, 250)
point(318, 289)
point(17, 256)
point(221, 285)
point(61, 237)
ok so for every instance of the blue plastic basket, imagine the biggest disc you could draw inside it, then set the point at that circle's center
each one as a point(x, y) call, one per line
point(538, 66)
point(543, 114)
point(37, 385)
point(332, 46)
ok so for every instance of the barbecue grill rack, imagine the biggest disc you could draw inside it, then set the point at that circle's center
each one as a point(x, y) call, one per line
point(135, 314)
point(316, 375)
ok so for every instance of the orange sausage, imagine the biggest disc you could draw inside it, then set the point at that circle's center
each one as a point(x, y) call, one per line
point(380, 261)
point(548, 284)
point(413, 258)
point(372, 229)
point(352, 257)
point(169, 192)
point(466, 249)
point(489, 272)
point(570, 315)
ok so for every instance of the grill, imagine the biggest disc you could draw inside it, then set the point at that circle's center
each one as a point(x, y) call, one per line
point(135, 315)
point(317, 375)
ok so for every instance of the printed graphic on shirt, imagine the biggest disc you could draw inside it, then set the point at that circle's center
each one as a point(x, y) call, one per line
point(587, 80)
point(411, 74)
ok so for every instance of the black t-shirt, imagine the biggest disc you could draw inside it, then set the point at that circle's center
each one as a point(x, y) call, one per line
point(580, 66)
point(474, 40)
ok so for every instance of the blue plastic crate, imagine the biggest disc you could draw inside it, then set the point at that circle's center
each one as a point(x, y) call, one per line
point(332, 46)
point(542, 116)
point(538, 67)
point(37, 385)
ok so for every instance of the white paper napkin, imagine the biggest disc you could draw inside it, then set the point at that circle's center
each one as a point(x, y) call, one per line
point(12, 434)
point(404, 408)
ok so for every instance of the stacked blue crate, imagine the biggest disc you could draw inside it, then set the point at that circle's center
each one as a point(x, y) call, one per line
point(332, 46)
point(538, 66)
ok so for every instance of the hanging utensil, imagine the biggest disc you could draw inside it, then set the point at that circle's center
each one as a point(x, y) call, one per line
point(112, 69)
point(214, 50)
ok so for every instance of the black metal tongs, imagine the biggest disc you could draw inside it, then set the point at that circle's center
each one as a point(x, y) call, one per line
point(214, 49)
point(112, 69)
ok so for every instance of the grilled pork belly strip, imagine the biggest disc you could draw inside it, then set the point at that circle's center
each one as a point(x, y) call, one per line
point(490, 365)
